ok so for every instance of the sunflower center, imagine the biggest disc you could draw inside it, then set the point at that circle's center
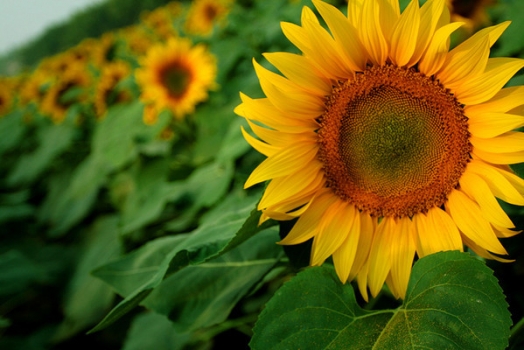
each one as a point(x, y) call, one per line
point(176, 79)
point(393, 141)
point(210, 12)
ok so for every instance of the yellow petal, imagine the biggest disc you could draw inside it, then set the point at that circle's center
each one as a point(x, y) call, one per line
point(435, 55)
point(464, 62)
point(469, 58)
point(355, 12)
point(486, 125)
point(308, 225)
point(476, 188)
point(292, 208)
point(262, 110)
point(500, 158)
point(344, 256)
point(429, 15)
point(498, 184)
point(468, 217)
point(362, 280)
point(504, 232)
point(287, 96)
point(503, 101)
point(281, 139)
point(367, 232)
point(389, 16)
point(260, 146)
point(296, 35)
point(436, 232)
point(345, 35)
point(287, 188)
point(405, 35)
point(380, 254)
point(402, 254)
point(299, 70)
point(486, 85)
point(283, 163)
point(371, 34)
point(483, 253)
point(335, 228)
point(505, 143)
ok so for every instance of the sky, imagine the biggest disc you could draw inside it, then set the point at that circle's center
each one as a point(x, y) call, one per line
point(24, 20)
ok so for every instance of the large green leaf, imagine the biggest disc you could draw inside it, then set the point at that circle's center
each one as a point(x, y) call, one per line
point(203, 295)
point(17, 272)
point(154, 331)
point(53, 140)
point(147, 195)
point(71, 196)
point(12, 128)
point(88, 298)
point(453, 302)
point(215, 236)
point(510, 43)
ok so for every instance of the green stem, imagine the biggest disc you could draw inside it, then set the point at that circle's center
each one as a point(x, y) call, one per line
point(516, 328)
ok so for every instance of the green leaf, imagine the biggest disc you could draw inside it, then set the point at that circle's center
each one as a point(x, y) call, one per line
point(87, 298)
point(234, 144)
point(116, 138)
point(17, 272)
point(148, 194)
point(53, 140)
point(453, 302)
point(153, 331)
point(203, 295)
point(510, 43)
point(12, 129)
point(214, 237)
point(71, 196)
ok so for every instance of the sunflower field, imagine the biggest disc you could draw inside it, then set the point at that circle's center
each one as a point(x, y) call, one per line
point(248, 174)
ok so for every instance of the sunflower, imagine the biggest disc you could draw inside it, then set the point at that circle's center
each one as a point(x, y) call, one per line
point(59, 97)
point(204, 14)
point(106, 92)
point(176, 76)
point(136, 39)
point(160, 20)
point(6, 97)
point(471, 12)
point(383, 143)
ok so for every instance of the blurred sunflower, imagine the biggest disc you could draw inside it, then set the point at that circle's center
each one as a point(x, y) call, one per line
point(6, 97)
point(104, 50)
point(32, 89)
point(472, 12)
point(176, 76)
point(67, 89)
point(203, 15)
point(106, 91)
point(136, 39)
point(383, 143)
point(160, 20)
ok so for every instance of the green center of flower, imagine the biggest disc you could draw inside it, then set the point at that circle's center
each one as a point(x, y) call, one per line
point(176, 79)
point(393, 142)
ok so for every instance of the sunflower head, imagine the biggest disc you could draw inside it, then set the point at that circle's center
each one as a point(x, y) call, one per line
point(472, 12)
point(64, 91)
point(6, 99)
point(203, 15)
point(176, 76)
point(384, 143)
point(106, 90)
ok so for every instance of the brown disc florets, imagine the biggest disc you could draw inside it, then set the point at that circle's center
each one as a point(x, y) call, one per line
point(393, 141)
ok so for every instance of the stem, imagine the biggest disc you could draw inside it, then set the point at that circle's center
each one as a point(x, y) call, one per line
point(516, 328)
